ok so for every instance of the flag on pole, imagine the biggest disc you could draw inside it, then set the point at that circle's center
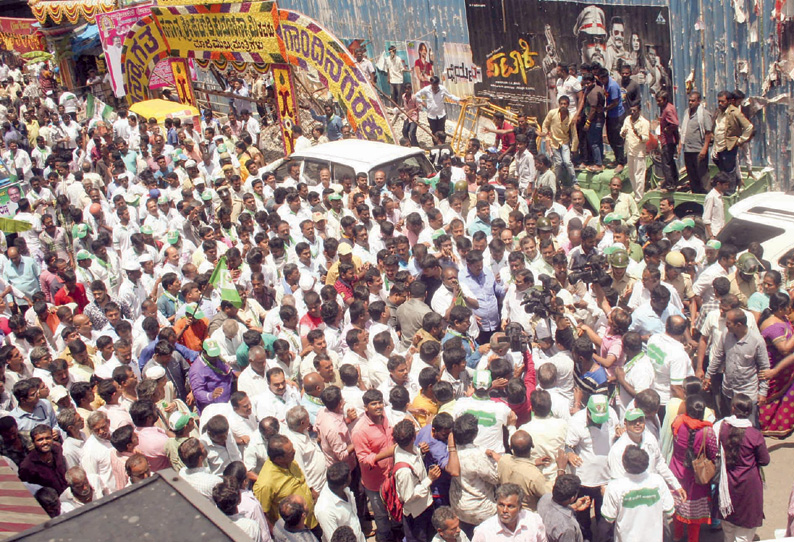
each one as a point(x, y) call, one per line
point(96, 108)
point(222, 279)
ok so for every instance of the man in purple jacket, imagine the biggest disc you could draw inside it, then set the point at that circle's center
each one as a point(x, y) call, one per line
point(210, 378)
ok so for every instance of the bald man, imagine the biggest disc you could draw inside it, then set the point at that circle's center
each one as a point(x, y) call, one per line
point(313, 386)
point(671, 362)
point(252, 379)
point(520, 469)
point(22, 273)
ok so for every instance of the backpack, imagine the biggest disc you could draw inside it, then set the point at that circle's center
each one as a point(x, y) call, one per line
point(388, 492)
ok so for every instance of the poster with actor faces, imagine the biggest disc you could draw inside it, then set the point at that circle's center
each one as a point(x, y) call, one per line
point(520, 43)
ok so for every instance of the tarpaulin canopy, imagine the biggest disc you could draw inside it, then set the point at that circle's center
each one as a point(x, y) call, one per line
point(164, 109)
point(86, 41)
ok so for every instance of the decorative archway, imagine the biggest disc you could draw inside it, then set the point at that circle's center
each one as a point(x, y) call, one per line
point(259, 33)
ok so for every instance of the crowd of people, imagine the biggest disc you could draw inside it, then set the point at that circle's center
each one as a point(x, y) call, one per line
point(467, 357)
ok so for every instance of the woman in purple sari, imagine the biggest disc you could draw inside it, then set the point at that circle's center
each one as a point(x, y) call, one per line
point(776, 414)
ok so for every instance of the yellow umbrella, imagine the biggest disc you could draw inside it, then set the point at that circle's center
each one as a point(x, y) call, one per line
point(165, 109)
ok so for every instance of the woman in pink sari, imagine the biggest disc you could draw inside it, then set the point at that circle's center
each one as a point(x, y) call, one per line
point(777, 412)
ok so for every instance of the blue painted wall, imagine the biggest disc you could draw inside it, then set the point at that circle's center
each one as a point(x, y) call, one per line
point(713, 52)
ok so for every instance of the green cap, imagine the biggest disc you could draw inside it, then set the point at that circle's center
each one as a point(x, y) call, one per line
point(482, 380)
point(438, 233)
point(634, 414)
point(179, 420)
point(81, 230)
point(83, 255)
point(598, 406)
point(713, 244)
point(193, 310)
point(212, 348)
point(612, 217)
point(688, 223)
point(675, 225)
point(334, 197)
point(206, 196)
point(147, 230)
point(172, 237)
point(131, 198)
point(221, 149)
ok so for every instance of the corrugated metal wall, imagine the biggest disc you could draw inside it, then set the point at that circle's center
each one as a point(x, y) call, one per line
point(715, 53)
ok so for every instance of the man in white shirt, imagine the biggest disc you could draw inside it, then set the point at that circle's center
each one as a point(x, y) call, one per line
point(336, 505)
point(252, 379)
point(714, 206)
point(413, 483)
point(670, 360)
point(591, 432)
point(96, 451)
point(278, 398)
point(492, 416)
point(639, 502)
point(548, 434)
point(308, 454)
point(433, 99)
point(723, 267)
point(636, 435)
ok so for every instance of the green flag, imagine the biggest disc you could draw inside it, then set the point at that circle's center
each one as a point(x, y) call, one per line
point(222, 279)
point(95, 107)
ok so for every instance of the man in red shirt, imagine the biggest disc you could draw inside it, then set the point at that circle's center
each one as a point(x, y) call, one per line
point(374, 444)
point(668, 139)
point(72, 292)
point(505, 134)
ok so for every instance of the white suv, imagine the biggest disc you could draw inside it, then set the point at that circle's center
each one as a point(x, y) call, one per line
point(352, 156)
point(767, 218)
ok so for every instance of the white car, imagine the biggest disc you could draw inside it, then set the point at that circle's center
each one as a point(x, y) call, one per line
point(767, 218)
point(351, 156)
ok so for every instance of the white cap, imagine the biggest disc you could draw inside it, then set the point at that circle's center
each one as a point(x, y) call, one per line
point(131, 265)
point(57, 393)
point(155, 372)
point(145, 257)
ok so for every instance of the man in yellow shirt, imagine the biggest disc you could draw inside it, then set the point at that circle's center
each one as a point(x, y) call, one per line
point(281, 477)
point(559, 129)
point(424, 405)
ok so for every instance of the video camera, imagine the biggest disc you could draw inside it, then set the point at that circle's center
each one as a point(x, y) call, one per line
point(593, 270)
point(540, 301)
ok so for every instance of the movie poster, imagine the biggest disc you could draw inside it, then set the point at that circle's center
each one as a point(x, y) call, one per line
point(518, 44)
point(420, 62)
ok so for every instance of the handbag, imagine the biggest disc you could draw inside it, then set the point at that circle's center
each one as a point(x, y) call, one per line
point(703, 467)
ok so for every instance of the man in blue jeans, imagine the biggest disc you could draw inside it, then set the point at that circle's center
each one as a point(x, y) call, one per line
point(616, 113)
point(595, 102)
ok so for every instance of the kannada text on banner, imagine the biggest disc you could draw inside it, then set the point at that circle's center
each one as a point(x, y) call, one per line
point(221, 28)
point(19, 35)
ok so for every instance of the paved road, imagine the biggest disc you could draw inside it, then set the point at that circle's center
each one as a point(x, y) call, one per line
point(776, 495)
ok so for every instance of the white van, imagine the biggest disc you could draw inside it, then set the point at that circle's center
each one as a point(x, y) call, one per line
point(352, 156)
point(767, 218)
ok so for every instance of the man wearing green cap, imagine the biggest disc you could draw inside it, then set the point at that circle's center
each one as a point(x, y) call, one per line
point(210, 378)
point(636, 435)
point(591, 432)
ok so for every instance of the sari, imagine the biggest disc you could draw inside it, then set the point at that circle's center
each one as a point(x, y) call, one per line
point(777, 415)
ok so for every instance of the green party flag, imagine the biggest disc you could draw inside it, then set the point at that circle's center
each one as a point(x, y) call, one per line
point(95, 107)
point(222, 279)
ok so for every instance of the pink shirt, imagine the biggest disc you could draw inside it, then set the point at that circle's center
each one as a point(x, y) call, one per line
point(370, 438)
point(151, 443)
point(612, 345)
point(118, 464)
point(334, 437)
